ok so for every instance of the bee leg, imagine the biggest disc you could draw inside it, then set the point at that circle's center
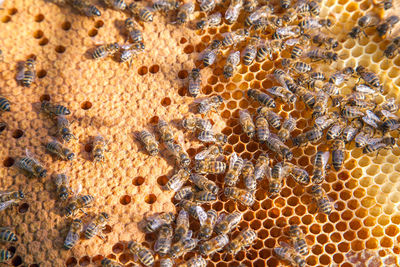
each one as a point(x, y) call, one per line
point(83, 211)
point(101, 236)
point(365, 34)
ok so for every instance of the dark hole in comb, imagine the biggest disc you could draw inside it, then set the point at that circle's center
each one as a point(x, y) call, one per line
point(39, 17)
point(71, 261)
point(66, 26)
point(125, 200)
point(86, 105)
point(23, 208)
point(92, 33)
point(41, 74)
point(17, 261)
point(8, 162)
point(17, 134)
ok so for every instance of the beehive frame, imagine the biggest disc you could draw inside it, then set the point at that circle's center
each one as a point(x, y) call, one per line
point(103, 95)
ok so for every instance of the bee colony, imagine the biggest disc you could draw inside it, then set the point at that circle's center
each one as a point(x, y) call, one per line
point(283, 114)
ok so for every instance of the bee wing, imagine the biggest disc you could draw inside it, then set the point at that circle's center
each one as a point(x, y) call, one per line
point(71, 237)
point(201, 214)
point(284, 245)
point(200, 100)
point(4, 205)
point(275, 92)
point(268, 172)
point(207, 137)
point(389, 115)
point(372, 115)
point(233, 159)
point(221, 217)
point(325, 158)
point(2, 193)
point(202, 155)
point(20, 74)
point(189, 235)
point(373, 141)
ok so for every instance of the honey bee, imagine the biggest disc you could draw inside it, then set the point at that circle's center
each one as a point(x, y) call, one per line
point(213, 245)
point(250, 5)
point(276, 178)
point(241, 195)
point(331, 89)
point(313, 135)
point(387, 25)
point(323, 40)
point(210, 153)
point(27, 73)
point(267, 49)
point(194, 82)
point(206, 229)
point(85, 8)
point(233, 38)
point(363, 22)
point(232, 63)
point(369, 77)
point(208, 5)
point(97, 225)
point(130, 51)
point(319, 54)
point(297, 66)
point(286, 32)
point(210, 54)
point(235, 167)
point(184, 13)
point(180, 155)
point(290, 255)
point(298, 239)
point(311, 7)
point(164, 240)
point(149, 141)
point(59, 150)
point(390, 125)
point(204, 183)
point(73, 234)
point(273, 119)
point(78, 203)
point(261, 12)
point(350, 132)
point(275, 144)
point(381, 143)
point(323, 202)
point(311, 23)
point(392, 49)
point(210, 136)
point(389, 105)
point(351, 112)
point(362, 138)
point(31, 167)
point(9, 199)
point(133, 32)
point(185, 192)
point(62, 183)
point(335, 130)
point(116, 4)
point(262, 168)
point(5, 255)
point(286, 95)
point(106, 262)
point(320, 162)
point(144, 254)
point(6, 235)
point(196, 261)
point(297, 51)
point(99, 147)
point(193, 123)
point(140, 11)
point(307, 97)
point(182, 246)
point(155, 221)
point(262, 129)
point(232, 12)
point(205, 105)
point(249, 179)
point(166, 133)
point(245, 238)
point(283, 78)
point(210, 166)
point(261, 98)
point(299, 175)
point(4, 104)
point(63, 130)
point(105, 50)
point(177, 180)
point(202, 197)
point(211, 21)
point(54, 109)
point(194, 210)
point(321, 104)
point(339, 77)
point(247, 123)
point(287, 127)
point(371, 119)
point(387, 4)
point(166, 5)
point(338, 154)
point(250, 52)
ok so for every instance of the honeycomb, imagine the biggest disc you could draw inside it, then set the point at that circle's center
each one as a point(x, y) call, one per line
point(103, 95)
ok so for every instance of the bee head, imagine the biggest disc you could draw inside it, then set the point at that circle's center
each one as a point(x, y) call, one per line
point(70, 156)
point(42, 172)
point(21, 194)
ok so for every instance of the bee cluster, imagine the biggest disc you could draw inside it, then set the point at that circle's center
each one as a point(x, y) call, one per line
point(302, 38)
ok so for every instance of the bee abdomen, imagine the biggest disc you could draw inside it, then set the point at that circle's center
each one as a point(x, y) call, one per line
point(146, 257)
point(8, 236)
point(4, 104)
point(90, 231)
point(5, 255)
